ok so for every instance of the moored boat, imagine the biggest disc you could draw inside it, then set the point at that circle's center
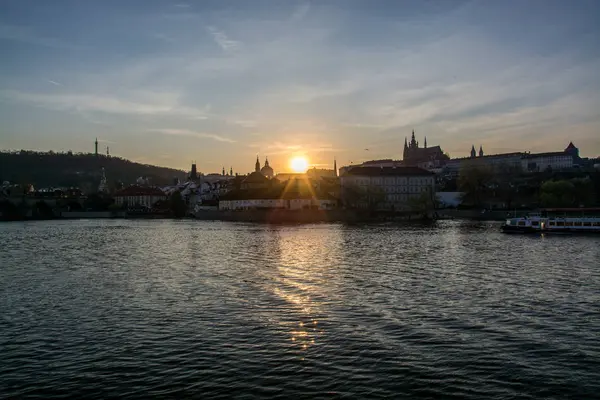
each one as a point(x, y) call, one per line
point(556, 220)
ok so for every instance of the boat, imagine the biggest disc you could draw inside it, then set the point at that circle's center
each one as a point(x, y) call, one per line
point(556, 220)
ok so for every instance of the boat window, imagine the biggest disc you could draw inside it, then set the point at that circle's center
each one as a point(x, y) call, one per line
point(569, 223)
point(578, 223)
point(587, 224)
point(552, 223)
point(535, 223)
point(596, 223)
point(560, 223)
point(521, 223)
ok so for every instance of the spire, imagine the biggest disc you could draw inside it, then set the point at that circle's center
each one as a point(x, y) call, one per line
point(473, 153)
point(413, 141)
point(425, 141)
point(107, 152)
point(257, 165)
point(405, 143)
point(223, 171)
point(266, 161)
point(480, 151)
point(96, 147)
point(335, 171)
point(230, 171)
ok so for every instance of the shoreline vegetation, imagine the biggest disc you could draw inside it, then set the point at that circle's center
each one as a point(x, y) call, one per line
point(293, 216)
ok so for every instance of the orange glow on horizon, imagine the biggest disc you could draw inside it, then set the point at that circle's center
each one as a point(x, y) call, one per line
point(299, 164)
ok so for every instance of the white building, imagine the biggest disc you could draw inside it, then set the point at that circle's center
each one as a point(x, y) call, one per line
point(390, 187)
point(281, 204)
point(139, 196)
point(544, 161)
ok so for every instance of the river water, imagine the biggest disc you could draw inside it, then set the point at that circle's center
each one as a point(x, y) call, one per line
point(190, 309)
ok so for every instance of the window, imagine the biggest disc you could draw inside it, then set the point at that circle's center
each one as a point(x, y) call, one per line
point(535, 223)
point(587, 224)
point(521, 223)
point(569, 223)
point(552, 223)
point(577, 223)
point(560, 223)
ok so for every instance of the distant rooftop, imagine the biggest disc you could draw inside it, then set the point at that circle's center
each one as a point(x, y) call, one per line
point(389, 171)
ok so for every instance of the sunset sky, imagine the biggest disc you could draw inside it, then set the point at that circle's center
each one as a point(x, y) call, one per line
point(167, 82)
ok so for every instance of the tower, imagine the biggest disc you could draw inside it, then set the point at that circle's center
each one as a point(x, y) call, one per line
point(257, 165)
point(230, 171)
point(223, 173)
point(425, 141)
point(473, 152)
point(480, 151)
point(335, 171)
point(96, 147)
point(194, 172)
point(107, 152)
point(413, 141)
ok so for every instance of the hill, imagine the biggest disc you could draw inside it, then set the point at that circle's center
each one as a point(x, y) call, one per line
point(78, 170)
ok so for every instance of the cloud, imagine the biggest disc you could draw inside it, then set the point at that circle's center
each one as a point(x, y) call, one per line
point(222, 40)
point(164, 104)
point(54, 83)
point(26, 34)
point(186, 132)
point(300, 12)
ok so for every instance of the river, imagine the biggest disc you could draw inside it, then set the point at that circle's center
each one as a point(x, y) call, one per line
point(198, 309)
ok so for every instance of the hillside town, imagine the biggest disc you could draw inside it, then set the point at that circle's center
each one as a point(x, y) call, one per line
point(423, 180)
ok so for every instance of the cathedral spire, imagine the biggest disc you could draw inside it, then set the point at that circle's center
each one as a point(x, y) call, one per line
point(257, 165)
point(473, 152)
point(223, 171)
point(266, 161)
point(230, 171)
point(335, 166)
point(405, 142)
point(480, 151)
point(413, 141)
point(425, 141)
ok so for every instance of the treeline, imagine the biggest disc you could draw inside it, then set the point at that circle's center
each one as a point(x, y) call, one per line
point(505, 188)
point(50, 169)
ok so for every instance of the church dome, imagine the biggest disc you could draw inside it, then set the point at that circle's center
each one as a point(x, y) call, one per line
point(267, 171)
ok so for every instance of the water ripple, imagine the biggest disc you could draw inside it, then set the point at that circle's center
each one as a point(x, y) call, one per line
point(186, 309)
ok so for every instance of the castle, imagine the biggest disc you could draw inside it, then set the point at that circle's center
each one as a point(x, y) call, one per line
point(419, 156)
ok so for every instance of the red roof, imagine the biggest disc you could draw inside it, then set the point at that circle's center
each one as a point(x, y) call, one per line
point(139, 191)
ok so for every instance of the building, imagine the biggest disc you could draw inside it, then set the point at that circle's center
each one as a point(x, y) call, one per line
point(414, 155)
point(552, 161)
point(496, 162)
point(255, 180)
point(267, 171)
point(139, 196)
point(388, 188)
point(293, 194)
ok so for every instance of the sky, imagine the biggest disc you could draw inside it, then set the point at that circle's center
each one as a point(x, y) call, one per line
point(220, 82)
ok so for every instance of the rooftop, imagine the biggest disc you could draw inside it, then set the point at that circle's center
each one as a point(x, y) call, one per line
point(389, 171)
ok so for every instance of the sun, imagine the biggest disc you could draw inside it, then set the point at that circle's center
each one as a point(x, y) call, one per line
point(299, 164)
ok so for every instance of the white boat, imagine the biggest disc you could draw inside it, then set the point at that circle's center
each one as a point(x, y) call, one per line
point(556, 220)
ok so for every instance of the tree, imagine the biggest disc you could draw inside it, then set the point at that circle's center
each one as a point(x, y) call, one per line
point(474, 182)
point(354, 196)
point(375, 196)
point(423, 204)
point(178, 206)
point(557, 193)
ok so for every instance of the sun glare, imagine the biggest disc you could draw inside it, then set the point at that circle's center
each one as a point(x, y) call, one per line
point(299, 164)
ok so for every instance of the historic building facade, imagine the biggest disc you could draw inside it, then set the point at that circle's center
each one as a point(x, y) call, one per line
point(414, 155)
point(388, 188)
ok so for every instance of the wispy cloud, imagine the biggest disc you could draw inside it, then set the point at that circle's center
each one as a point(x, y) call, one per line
point(26, 34)
point(113, 105)
point(200, 135)
point(54, 83)
point(223, 40)
point(301, 11)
